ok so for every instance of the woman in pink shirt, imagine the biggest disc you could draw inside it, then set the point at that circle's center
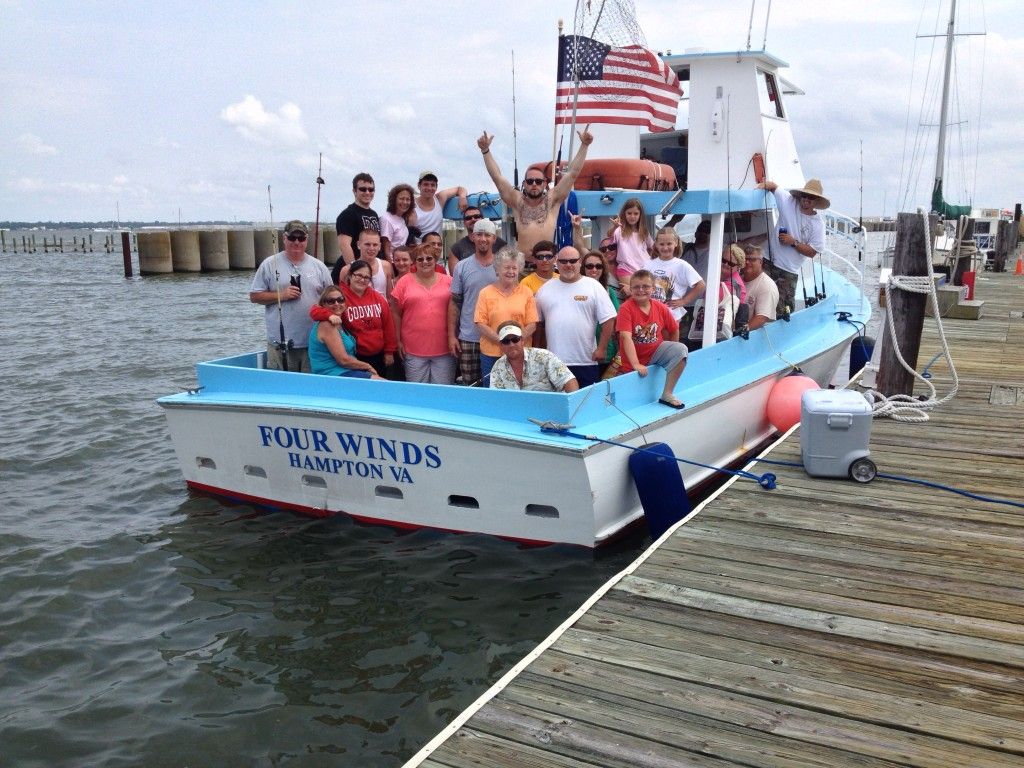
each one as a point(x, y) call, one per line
point(420, 310)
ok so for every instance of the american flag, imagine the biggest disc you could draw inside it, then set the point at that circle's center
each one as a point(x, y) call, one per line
point(626, 86)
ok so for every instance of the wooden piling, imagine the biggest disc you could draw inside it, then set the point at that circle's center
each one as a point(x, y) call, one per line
point(1005, 232)
point(3, 241)
point(126, 253)
point(911, 259)
point(965, 230)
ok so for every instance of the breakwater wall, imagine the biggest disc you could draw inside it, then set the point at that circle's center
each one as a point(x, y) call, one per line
point(164, 250)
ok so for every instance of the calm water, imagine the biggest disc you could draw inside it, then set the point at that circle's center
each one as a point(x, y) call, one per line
point(140, 625)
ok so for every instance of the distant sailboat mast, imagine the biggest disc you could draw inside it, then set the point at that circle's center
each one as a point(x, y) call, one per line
point(940, 155)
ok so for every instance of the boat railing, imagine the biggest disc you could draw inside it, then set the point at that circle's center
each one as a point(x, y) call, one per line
point(843, 233)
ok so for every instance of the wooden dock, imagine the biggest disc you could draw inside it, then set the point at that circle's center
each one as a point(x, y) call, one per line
point(821, 624)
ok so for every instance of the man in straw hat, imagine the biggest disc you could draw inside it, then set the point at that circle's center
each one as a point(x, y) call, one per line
point(799, 235)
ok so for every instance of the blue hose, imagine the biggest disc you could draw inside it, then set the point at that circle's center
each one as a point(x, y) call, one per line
point(915, 481)
point(766, 481)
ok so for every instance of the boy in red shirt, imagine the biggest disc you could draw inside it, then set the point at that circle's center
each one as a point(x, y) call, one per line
point(649, 335)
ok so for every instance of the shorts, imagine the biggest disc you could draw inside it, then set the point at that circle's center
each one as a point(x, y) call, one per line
point(469, 362)
point(298, 359)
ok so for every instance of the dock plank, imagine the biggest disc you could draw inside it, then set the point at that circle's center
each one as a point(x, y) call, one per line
point(822, 624)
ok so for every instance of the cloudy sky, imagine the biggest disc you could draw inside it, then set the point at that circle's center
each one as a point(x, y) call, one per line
point(196, 107)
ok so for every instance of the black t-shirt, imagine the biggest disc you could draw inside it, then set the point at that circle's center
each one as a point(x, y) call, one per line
point(354, 220)
point(464, 247)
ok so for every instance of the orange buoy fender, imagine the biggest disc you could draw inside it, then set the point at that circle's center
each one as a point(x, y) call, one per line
point(783, 409)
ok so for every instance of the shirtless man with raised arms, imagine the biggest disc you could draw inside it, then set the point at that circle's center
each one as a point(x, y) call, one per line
point(535, 208)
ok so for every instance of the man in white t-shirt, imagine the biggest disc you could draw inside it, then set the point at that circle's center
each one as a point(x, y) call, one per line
point(571, 308)
point(762, 293)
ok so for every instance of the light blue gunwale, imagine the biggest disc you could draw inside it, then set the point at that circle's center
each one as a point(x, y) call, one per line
point(608, 203)
point(238, 382)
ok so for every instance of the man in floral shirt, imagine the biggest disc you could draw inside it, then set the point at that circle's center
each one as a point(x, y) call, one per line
point(526, 367)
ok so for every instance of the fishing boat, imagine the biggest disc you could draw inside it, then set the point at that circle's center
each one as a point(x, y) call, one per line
point(544, 467)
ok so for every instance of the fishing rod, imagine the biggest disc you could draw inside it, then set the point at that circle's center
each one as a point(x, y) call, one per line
point(283, 346)
point(821, 268)
point(808, 302)
point(515, 135)
point(316, 221)
point(860, 215)
point(270, 202)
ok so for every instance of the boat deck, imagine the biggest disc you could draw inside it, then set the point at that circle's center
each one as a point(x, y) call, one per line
point(821, 624)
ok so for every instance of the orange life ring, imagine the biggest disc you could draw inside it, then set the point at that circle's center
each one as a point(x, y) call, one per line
point(620, 173)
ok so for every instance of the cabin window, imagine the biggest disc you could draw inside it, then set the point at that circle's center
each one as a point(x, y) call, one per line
point(541, 510)
point(769, 95)
point(981, 227)
point(388, 492)
point(467, 502)
point(204, 463)
point(314, 481)
point(253, 471)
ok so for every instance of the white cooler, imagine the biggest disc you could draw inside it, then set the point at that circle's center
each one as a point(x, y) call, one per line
point(835, 431)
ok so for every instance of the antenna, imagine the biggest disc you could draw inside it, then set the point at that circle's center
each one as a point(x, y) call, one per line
point(750, 24)
point(515, 143)
point(764, 40)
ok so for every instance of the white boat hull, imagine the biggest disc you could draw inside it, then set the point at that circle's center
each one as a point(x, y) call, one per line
point(472, 461)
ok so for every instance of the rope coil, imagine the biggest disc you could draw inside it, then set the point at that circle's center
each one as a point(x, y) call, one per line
point(905, 407)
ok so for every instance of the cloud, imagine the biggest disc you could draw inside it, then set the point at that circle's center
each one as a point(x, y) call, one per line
point(30, 184)
point(257, 124)
point(398, 114)
point(25, 184)
point(35, 145)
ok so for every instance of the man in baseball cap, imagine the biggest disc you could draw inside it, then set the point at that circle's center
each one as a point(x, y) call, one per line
point(287, 285)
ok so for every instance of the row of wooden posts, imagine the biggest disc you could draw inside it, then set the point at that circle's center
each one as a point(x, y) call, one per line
point(56, 244)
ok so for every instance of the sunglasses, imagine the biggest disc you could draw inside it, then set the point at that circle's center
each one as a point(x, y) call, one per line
point(297, 238)
point(535, 181)
point(606, 248)
point(593, 265)
point(511, 340)
point(474, 217)
point(424, 259)
point(360, 276)
point(568, 261)
point(543, 256)
point(365, 189)
point(335, 300)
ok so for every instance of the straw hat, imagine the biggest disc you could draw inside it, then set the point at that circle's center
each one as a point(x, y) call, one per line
point(813, 189)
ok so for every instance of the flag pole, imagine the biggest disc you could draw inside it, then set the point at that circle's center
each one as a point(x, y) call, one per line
point(575, 92)
point(554, 128)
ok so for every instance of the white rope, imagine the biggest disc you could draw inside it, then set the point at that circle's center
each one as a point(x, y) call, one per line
point(905, 407)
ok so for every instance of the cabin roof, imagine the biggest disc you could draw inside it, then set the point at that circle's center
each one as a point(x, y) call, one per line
point(677, 60)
